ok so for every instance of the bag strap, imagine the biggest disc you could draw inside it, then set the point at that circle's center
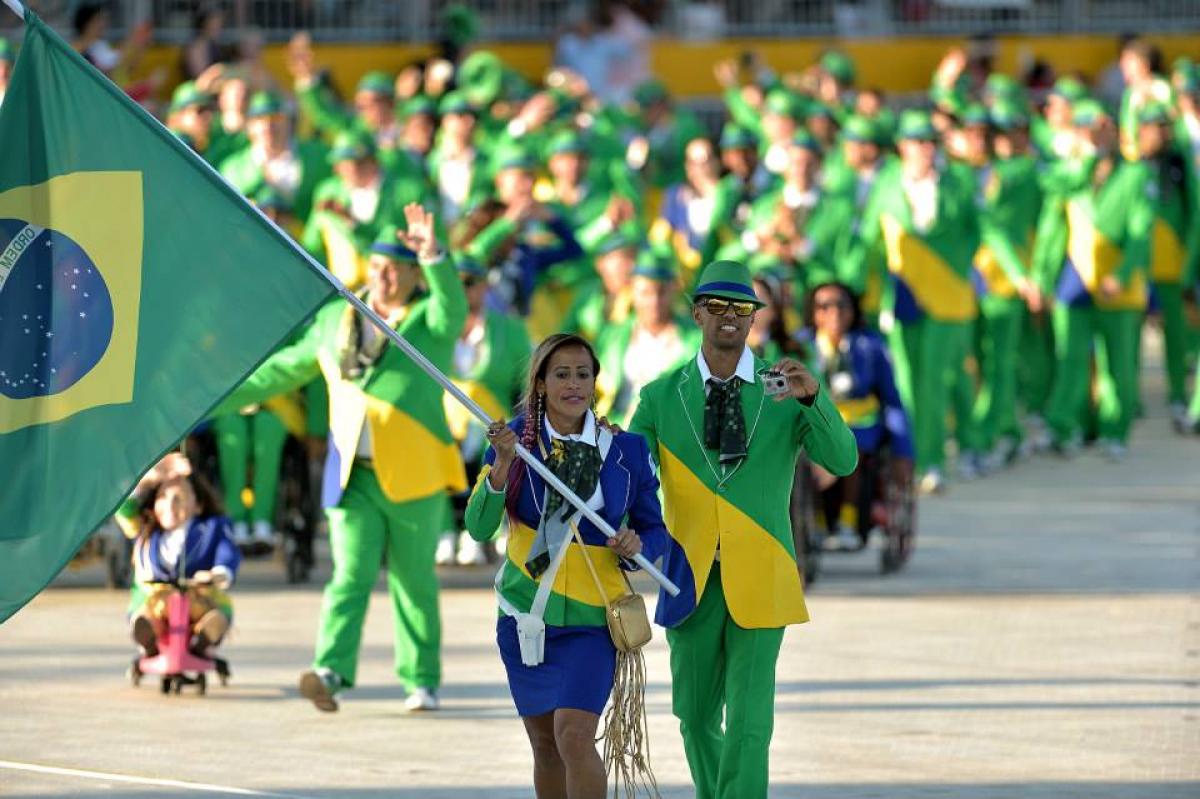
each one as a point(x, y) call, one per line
point(592, 569)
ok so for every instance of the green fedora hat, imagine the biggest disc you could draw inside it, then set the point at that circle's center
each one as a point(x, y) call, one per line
point(389, 245)
point(728, 280)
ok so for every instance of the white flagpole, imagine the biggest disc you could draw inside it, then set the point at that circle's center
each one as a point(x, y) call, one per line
point(431, 370)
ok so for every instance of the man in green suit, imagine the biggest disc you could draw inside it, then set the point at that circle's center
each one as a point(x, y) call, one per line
point(391, 456)
point(727, 456)
point(292, 168)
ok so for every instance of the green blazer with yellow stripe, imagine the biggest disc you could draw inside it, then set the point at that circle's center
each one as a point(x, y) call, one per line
point(745, 509)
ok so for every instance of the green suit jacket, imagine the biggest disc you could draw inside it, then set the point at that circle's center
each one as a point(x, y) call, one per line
point(743, 510)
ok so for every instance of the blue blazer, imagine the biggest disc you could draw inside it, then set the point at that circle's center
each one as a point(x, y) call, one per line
point(873, 385)
point(208, 543)
point(630, 487)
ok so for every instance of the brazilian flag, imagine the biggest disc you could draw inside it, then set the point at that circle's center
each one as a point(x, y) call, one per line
point(136, 290)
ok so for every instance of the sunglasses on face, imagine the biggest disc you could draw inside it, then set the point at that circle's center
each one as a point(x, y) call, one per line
point(468, 282)
point(721, 307)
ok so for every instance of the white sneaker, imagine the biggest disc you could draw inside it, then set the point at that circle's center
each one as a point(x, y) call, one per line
point(471, 552)
point(241, 534)
point(445, 550)
point(421, 699)
point(848, 539)
point(264, 534)
point(1115, 450)
point(968, 467)
point(932, 482)
point(1179, 417)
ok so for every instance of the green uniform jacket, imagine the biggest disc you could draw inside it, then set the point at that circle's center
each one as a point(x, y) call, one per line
point(931, 270)
point(413, 453)
point(743, 510)
point(1087, 233)
point(614, 395)
point(241, 170)
point(497, 379)
point(1010, 199)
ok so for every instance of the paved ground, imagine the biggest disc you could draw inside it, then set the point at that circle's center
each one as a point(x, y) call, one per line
point(1045, 642)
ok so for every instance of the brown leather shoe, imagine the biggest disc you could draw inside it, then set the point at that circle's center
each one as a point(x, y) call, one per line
point(319, 690)
point(144, 635)
point(211, 627)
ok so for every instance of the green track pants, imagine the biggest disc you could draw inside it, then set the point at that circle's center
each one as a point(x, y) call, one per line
point(365, 530)
point(242, 439)
point(1115, 334)
point(1000, 341)
point(719, 668)
point(928, 356)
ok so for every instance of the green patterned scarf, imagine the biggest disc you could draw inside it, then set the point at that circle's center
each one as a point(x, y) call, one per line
point(724, 422)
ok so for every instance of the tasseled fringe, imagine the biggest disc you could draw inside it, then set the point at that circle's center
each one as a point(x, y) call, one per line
point(626, 732)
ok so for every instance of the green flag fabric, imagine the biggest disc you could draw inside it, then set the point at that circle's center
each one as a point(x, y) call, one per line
point(136, 290)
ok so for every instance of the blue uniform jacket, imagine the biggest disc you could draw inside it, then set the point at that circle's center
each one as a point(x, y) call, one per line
point(861, 383)
point(209, 543)
point(630, 487)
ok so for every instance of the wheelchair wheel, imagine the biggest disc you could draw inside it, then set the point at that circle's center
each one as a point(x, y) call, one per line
point(222, 667)
point(201, 684)
point(135, 673)
point(900, 529)
point(165, 685)
point(805, 536)
point(177, 684)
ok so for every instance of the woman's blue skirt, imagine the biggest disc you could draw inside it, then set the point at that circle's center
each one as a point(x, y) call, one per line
point(577, 671)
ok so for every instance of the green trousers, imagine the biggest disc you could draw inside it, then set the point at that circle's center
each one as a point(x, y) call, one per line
point(1035, 362)
point(366, 529)
point(1115, 334)
point(928, 356)
point(1000, 339)
point(1175, 339)
point(719, 668)
point(256, 438)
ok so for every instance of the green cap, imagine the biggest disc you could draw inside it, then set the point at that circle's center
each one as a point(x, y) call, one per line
point(264, 104)
point(377, 82)
point(1154, 113)
point(1070, 89)
point(566, 141)
point(615, 241)
point(459, 23)
point(7, 53)
point(999, 85)
point(351, 146)
point(654, 266)
point(839, 66)
point(387, 245)
point(421, 104)
point(456, 103)
point(974, 115)
point(728, 280)
point(1188, 81)
point(187, 95)
point(649, 93)
point(805, 140)
point(816, 108)
point(513, 157)
point(916, 125)
point(1087, 112)
point(467, 265)
point(480, 78)
point(782, 103)
point(1008, 115)
point(735, 137)
point(858, 128)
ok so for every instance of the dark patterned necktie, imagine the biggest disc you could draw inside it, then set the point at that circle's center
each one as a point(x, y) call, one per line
point(724, 423)
point(578, 465)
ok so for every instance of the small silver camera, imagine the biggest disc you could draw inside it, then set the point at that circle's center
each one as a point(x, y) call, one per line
point(775, 383)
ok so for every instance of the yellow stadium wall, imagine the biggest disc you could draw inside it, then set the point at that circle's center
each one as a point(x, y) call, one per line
point(895, 65)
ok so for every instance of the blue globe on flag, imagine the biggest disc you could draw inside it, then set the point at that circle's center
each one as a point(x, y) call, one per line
point(56, 313)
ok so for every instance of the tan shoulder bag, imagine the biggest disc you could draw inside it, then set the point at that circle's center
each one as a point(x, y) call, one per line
point(628, 621)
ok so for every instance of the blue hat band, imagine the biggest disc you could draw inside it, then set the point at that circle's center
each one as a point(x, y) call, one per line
point(708, 288)
point(396, 252)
